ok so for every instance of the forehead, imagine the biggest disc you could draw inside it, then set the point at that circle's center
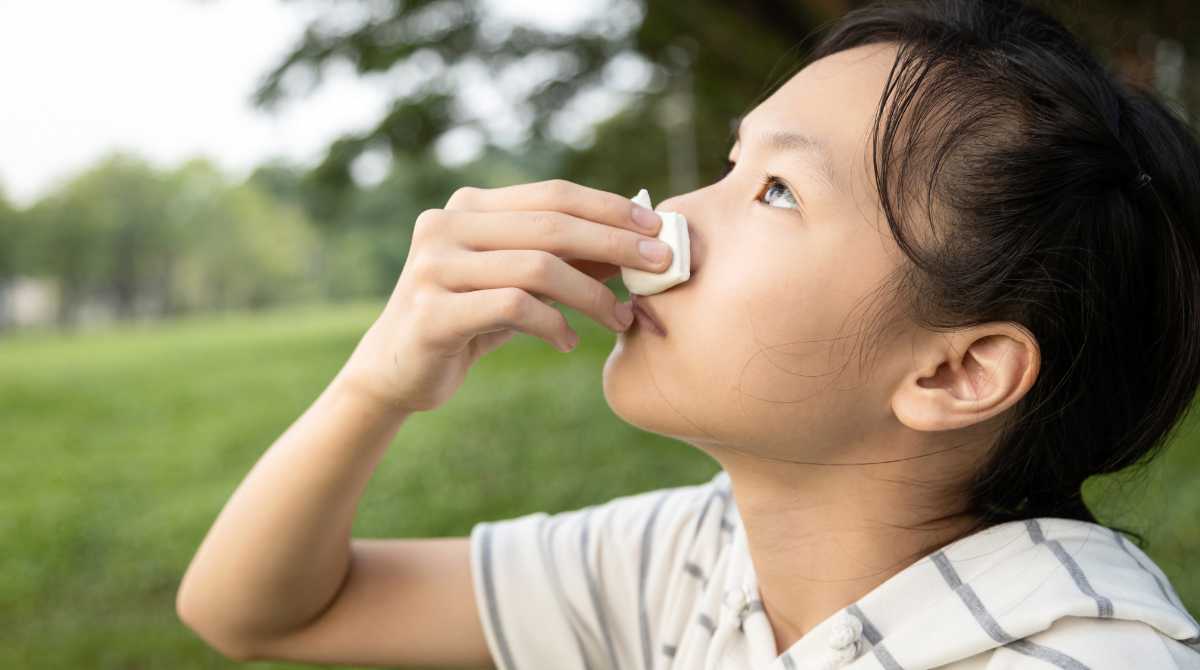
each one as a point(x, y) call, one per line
point(833, 99)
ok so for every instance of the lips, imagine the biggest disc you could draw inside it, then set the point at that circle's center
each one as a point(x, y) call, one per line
point(641, 308)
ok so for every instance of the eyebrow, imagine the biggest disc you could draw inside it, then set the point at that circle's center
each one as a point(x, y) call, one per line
point(789, 141)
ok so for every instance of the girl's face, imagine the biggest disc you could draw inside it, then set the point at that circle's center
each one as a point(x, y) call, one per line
point(760, 352)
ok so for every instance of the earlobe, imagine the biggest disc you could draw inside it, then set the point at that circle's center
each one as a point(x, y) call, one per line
point(967, 378)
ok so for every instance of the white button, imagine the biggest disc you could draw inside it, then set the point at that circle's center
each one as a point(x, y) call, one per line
point(845, 631)
point(674, 232)
point(735, 599)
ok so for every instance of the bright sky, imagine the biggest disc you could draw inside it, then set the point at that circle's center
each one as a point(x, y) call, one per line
point(168, 79)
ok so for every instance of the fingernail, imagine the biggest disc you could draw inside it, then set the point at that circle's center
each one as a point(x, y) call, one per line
point(569, 342)
point(653, 250)
point(645, 218)
point(624, 312)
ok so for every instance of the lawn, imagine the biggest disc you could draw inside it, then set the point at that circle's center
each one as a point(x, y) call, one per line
point(123, 444)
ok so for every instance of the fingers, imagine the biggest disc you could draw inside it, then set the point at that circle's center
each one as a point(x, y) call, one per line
point(504, 254)
point(557, 195)
point(536, 272)
point(561, 234)
point(496, 309)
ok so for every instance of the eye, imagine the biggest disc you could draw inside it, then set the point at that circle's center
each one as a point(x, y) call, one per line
point(773, 184)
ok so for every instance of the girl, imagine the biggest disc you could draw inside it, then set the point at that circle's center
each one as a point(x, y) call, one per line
point(952, 271)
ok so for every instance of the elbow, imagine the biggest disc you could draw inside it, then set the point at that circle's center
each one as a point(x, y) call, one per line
point(234, 649)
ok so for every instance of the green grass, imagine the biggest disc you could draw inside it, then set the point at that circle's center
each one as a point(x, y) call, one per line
point(122, 445)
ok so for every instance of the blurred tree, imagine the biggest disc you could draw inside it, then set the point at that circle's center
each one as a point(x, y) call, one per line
point(9, 246)
point(362, 247)
point(194, 213)
point(446, 49)
point(103, 234)
point(369, 243)
point(1147, 43)
point(283, 180)
point(149, 242)
point(242, 246)
point(682, 71)
point(73, 230)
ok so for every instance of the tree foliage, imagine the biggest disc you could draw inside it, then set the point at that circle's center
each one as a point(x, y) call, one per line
point(720, 56)
point(743, 42)
point(153, 242)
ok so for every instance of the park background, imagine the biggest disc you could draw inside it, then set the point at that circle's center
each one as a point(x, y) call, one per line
point(165, 316)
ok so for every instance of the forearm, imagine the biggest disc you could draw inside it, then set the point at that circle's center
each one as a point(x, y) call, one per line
point(279, 551)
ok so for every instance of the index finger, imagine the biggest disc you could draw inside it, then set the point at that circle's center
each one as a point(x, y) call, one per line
point(563, 196)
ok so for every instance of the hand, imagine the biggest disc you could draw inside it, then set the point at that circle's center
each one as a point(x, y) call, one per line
point(487, 265)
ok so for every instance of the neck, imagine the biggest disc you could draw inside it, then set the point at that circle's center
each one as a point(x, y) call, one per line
point(823, 536)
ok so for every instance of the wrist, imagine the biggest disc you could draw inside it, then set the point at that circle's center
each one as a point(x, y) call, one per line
point(345, 389)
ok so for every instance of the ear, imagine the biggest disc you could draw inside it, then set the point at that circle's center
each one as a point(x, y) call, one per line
point(967, 377)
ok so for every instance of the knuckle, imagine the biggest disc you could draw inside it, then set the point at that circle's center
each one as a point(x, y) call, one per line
point(514, 304)
point(549, 225)
point(560, 190)
point(617, 244)
point(462, 197)
point(427, 221)
point(541, 265)
point(424, 267)
point(557, 185)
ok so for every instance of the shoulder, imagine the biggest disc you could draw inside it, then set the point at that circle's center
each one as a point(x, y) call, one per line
point(1089, 643)
point(674, 516)
point(666, 514)
point(582, 588)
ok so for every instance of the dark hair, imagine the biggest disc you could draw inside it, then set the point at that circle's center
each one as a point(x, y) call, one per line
point(1066, 201)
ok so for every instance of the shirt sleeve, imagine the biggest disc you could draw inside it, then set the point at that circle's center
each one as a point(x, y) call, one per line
point(1080, 643)
point(580, 589)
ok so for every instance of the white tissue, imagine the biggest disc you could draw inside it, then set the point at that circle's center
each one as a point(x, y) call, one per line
point(674, 232)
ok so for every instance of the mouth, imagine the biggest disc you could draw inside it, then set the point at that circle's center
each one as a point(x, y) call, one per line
point(645, 315)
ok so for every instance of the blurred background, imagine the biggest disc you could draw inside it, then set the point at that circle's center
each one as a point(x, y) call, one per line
point(203, 205)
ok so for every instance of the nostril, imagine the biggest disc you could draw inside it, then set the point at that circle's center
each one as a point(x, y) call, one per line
point(696, 248)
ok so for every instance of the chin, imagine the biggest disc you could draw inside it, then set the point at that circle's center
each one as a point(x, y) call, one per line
point(636, 397)
point(629, 389)
point(626, 383)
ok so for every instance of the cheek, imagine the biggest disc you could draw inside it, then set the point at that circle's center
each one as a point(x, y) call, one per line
point(794, 327)
point(801, 310)
point(773, 330)
point(768, 364)
point(769, 333)
point(787, 289)
point(813, 285)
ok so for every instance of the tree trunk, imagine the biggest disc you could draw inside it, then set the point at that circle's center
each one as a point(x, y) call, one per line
point(6, 285)
point(68, 303)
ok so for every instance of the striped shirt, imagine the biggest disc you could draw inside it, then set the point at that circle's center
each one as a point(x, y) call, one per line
point(663, 580)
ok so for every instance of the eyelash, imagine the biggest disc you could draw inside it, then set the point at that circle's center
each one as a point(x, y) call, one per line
point(768, 179)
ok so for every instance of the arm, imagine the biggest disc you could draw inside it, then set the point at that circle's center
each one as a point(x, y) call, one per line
point(278, 577)
point(278, 573)
point(280, 549)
